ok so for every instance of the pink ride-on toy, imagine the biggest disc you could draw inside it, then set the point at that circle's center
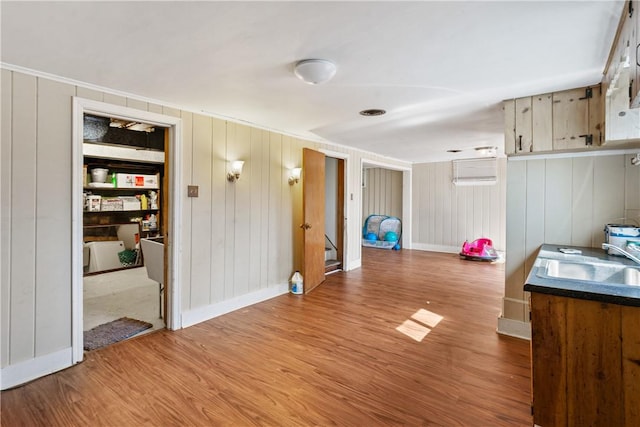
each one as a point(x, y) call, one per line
point(479, 250)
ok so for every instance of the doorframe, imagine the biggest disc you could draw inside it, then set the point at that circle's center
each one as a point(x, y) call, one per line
point(346, 262)
point(174, 232)
point(406, 196)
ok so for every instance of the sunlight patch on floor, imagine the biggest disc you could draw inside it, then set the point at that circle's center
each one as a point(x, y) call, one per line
point(420, 324)
point(427, 317)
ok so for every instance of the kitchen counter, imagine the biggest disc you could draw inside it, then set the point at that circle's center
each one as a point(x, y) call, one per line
point(585, 340)
point(614, 293)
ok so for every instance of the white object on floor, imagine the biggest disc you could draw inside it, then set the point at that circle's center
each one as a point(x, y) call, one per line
point(104, 255)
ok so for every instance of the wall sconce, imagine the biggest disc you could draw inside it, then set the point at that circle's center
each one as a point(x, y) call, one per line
point(295, 176)
point(236, 170)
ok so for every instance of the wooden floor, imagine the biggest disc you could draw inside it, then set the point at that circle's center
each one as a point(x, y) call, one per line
point(333, 357)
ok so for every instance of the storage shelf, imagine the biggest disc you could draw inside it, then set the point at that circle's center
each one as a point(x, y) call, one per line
point(112, 212)
point(120, 189)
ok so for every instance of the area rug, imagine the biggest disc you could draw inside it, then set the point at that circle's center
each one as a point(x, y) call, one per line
point(113, 332)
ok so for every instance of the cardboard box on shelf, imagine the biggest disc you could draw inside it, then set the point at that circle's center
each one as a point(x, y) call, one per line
point(111, 204)
point(130, 203)
point(93, 203)
point(127, 180)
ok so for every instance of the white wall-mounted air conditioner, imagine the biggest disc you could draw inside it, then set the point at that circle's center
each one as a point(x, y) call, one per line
point(475, 171)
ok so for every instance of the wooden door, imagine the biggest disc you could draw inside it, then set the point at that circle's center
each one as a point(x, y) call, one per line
point(313, 193)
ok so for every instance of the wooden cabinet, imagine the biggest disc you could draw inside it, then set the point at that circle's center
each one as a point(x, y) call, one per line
point(585, 362)
point(565, 120)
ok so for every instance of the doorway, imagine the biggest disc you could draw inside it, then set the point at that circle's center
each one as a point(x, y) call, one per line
point(138, 171)
point(334, 214)
point(124, 219)
point(386, 192)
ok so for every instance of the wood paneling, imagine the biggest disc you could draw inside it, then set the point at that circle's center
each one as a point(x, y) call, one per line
point(445, 215)
point(52, 328)
point(239, 148)
point(218, 210)
point(6, 170)
point(201, 255)
point(187, 207)
point(268, 365)
point(582, 201)
point(382, 194)
point(516, 223)
point(535, 205)
point(558, 201)
point(609, 189)
point(23, 217)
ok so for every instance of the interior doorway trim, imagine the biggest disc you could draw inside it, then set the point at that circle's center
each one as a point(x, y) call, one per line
point(346, 262)
point(80, 107)
point(406, 196)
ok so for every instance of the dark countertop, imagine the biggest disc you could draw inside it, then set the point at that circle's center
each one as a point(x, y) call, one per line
point(539, 282)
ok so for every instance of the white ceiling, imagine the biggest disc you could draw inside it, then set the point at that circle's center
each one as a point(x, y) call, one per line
point(440, 69)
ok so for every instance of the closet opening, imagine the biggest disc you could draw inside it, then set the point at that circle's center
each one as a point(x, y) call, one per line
point(124, 195)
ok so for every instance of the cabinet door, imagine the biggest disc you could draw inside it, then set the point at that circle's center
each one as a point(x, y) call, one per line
point(509, 108)
point(524, 138)
point(549, 359)
point(596, 115)
point(542, 132)
point(570, 119)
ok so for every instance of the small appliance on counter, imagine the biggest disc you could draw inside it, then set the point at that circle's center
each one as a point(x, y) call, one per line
point(622, 236)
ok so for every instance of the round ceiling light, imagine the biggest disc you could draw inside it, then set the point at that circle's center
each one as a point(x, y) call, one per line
point(372, 112)
point(315, 71)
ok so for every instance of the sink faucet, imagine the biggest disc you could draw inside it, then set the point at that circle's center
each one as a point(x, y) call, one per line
point(622, 251)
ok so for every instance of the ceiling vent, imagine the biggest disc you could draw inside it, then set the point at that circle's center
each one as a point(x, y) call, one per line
point(475, 172)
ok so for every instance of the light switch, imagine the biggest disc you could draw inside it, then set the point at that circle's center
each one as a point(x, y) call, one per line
point(192, 191)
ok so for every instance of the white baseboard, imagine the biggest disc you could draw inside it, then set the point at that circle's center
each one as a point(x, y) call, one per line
point(28, 370)
point(436, 248)
point(514, 328)
point(201, 314)
point(357, 263)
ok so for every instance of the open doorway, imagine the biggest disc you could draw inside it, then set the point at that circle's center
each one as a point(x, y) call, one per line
point(334, 214)
point(123, 221)
point(125, 194)
point(386, 209)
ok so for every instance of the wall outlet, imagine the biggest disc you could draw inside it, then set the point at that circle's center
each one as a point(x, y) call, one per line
point(192, 191)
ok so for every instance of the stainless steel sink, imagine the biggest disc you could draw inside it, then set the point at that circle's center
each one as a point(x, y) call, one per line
point(605, 273)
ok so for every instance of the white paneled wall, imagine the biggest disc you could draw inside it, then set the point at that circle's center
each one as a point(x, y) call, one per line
point(565, 201)
point(382, 193)
point(238, 240)
point(445, 215)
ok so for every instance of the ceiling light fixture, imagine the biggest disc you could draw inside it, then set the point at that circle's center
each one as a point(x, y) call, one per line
point(315, 71)
point(486, 151)
point(372, 112)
